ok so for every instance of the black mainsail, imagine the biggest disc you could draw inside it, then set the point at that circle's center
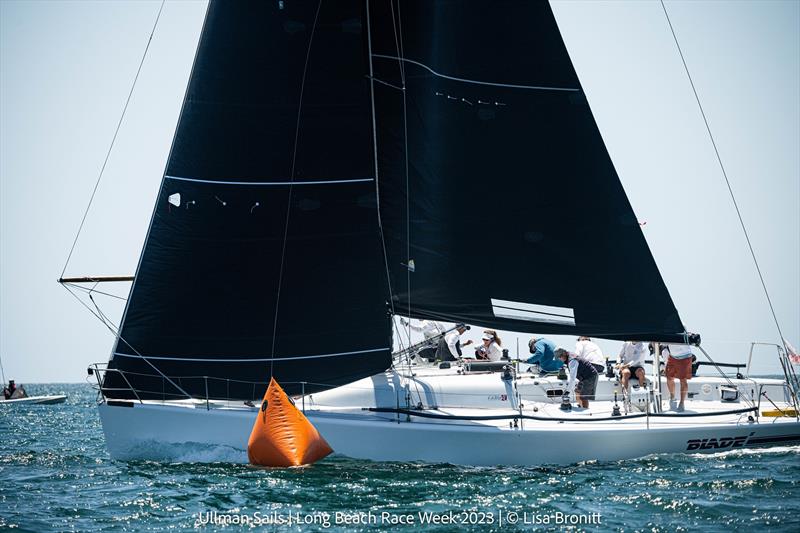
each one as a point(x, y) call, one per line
point(332, 156)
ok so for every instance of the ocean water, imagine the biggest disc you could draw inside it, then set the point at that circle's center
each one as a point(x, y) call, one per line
point(55, 475)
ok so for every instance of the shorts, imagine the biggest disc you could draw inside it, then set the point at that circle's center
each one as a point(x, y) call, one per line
point(679, 368)
point(587, 387)
point(633, 370)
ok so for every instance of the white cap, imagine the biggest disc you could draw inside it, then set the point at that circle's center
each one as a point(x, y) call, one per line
point(487, 337)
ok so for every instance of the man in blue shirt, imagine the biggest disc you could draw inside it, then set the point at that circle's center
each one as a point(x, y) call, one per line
point(543, 353)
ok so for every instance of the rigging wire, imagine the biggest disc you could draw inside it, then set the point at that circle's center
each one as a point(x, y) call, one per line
point(377, 179)
point(113, 139)
point(84, 289)
point(291, 186)
point(115, 331)
point(725, 175)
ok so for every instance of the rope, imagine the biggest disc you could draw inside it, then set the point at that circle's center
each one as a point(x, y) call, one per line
point(725, 175)
point(113, 139)
point(291, 187)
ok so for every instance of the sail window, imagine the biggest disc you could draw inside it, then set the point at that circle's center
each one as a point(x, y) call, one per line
point(533, 312)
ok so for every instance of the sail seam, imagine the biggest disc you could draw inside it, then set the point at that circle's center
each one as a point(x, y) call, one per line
point(261, 360)
point(268, 183)
point(477, 82)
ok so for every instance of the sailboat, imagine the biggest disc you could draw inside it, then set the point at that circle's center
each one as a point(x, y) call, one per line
point(316, 189)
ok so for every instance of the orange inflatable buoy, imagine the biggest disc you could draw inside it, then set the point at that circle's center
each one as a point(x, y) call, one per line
point(282, 435)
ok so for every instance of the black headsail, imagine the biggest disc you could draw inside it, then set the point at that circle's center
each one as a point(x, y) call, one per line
point(274, 146)
point(509, 205)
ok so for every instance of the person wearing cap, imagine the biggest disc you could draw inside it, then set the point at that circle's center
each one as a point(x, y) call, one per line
point(543, 353)
point(591, 352)
point(491, 346)
point(679, 366)
point(583, 376)
point(449, 348)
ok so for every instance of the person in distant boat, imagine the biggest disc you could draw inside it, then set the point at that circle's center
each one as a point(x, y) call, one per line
point(630, 362)
point(428, 328)
point(449, 348)
point(12, 392)
point(583, 376)
point(543, 353)
point(679, 366)
point(490, 350)
point(590, 351)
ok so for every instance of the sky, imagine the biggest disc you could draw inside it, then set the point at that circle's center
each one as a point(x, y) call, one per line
point(66, 69)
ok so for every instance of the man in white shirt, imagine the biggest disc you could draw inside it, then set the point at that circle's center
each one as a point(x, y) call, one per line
point(590, 352)
point(428, 328)
point(630, 361)
point(449, 348)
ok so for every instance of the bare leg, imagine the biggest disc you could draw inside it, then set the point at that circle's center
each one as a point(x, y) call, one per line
point(626, 376)
point(671, 388)
point(684, 390)
point(640, 376)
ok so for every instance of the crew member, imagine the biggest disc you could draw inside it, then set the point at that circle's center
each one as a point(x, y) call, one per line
point(630, 362)
point(679, 366)
point(428, 328)
point(490, 350)
point(543, 353)
point(583, 377)
point(591, 352)
point(449, 348)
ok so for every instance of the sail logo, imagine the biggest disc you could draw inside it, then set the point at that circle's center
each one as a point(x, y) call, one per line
point(717, 444)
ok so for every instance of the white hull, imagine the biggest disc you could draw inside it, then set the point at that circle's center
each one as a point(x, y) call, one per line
point(164, 431)
point(38, 400)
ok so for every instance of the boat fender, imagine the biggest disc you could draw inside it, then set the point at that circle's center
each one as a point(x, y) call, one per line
point(282, 435)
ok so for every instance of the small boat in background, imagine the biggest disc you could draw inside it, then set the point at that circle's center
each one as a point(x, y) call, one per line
point(39, 400)
point(18, 395)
